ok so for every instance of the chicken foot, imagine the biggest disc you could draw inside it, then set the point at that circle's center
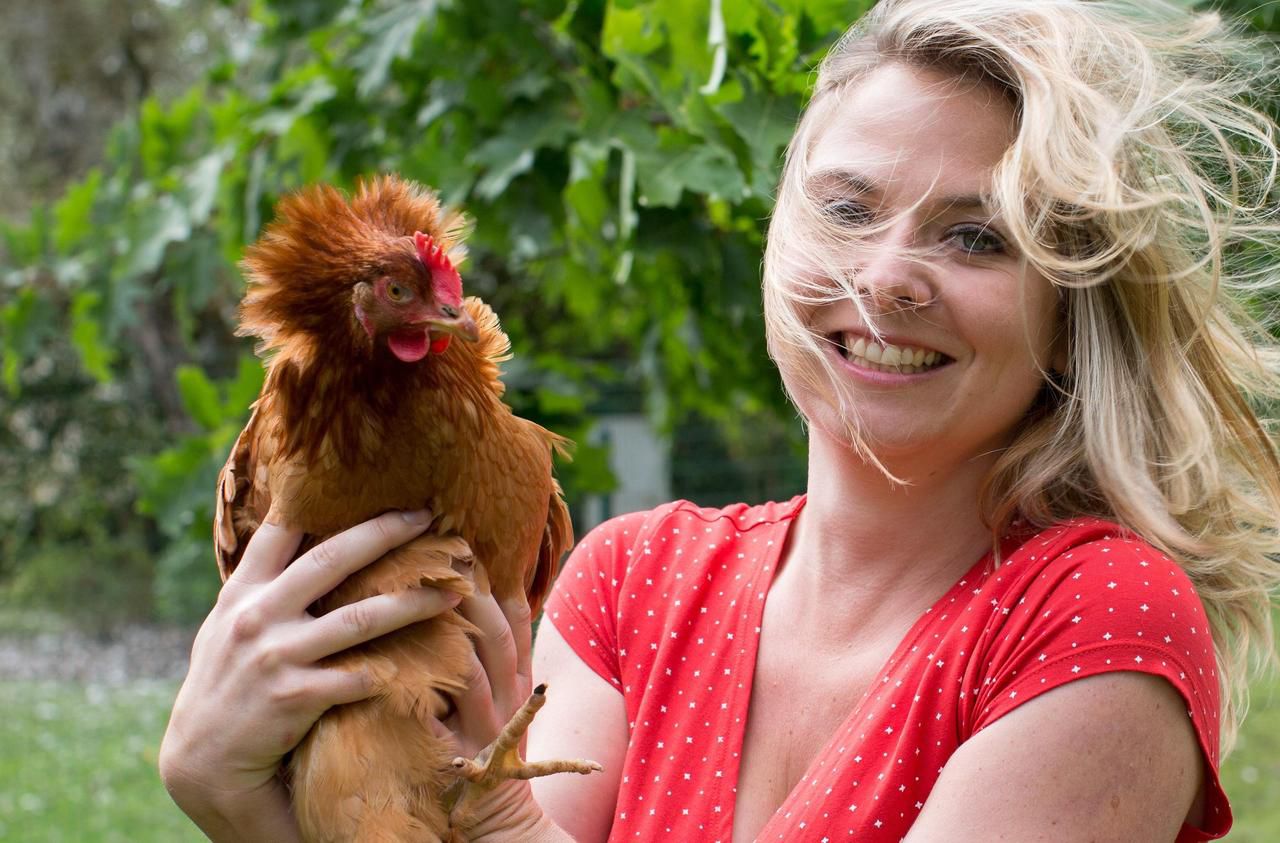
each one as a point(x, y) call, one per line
point(500, 760)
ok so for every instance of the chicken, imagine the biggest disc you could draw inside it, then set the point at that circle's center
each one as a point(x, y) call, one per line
point(383, 392)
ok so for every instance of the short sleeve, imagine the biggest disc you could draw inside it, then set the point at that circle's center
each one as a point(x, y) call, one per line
point(583, 605)
point(1113, 604)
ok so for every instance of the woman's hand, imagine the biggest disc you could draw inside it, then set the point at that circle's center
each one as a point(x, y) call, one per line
point(255, 687)
point(499, 683)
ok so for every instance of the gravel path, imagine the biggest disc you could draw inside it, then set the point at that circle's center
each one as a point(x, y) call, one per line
point(136, 652)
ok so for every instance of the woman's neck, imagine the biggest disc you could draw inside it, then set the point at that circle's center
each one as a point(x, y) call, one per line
point(869, 549)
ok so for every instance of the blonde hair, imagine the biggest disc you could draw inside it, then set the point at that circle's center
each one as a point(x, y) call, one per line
point(1141, 183)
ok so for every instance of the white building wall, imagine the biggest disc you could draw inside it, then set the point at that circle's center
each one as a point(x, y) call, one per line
point(641, 462)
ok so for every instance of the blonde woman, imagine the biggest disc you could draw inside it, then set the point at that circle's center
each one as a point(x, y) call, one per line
point(1021, 595)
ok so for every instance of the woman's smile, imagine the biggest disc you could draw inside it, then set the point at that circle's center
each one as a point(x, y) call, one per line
point(883, 362)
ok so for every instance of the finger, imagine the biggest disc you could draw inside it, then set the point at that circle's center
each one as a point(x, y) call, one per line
point(496, 648)
point(366, 619)
point(478, 720)
point(520, 620)
point(320, 570)
point(334, 686)
point(440, 730)
point(269, 551)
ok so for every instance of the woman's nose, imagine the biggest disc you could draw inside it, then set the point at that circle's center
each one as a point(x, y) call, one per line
point(893, 274)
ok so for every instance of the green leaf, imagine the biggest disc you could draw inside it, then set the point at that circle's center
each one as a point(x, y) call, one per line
point(700, 168)
point(73, 213)
point(202, 186)
point(176, 483)
point(163, 222)
point(26, 244)
point(307, 97)
point(199, 396)
point(765, 122)
point(829, 18)
point(24, 322)
point(390, 37)
point(243, 389)
point(86, 335)
point(511, 153)
point(634, 31)
point(308, 149)
point(553, 402)
point(508, 158)
point(153, 145)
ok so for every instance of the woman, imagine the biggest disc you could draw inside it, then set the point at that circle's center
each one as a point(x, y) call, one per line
point(999, 287)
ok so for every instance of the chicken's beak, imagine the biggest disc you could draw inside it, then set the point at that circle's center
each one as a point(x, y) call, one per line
point(461, 326)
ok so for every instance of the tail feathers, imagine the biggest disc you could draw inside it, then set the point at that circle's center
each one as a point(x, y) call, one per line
point(557, 538)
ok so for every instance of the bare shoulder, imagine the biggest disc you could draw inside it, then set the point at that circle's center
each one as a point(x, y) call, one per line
point(584, 717)
point(1108, 757)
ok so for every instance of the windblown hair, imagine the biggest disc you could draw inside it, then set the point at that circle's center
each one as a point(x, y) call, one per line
point(1141, 182)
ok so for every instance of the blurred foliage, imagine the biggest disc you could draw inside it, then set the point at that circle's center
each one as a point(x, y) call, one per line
point(619, 172)
point(618, 158)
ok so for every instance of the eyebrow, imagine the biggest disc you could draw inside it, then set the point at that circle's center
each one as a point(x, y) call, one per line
point(861, 184)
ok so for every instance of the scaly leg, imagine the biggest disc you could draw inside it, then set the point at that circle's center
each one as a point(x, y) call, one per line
point(501, 759)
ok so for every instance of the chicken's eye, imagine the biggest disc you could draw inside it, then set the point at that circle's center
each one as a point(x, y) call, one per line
point(398, 293)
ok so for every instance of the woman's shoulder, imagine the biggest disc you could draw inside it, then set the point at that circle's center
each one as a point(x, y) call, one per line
point(1089, 589)
point(675, 539)
point(1091, 572)
point(1086, 597)
point(1085, 546)
point(683, 518)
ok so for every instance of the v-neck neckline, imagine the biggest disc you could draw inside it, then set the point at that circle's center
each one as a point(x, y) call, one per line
point(736, 740)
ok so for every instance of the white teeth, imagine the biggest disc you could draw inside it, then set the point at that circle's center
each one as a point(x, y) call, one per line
point(889, 358)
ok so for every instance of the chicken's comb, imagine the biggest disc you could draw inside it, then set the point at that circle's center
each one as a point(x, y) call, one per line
point(444, 275)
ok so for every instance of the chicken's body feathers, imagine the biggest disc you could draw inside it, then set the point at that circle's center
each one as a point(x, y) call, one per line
point(343, 432)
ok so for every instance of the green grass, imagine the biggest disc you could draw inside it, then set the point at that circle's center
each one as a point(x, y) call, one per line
point(1251, 775)
point(78, 765)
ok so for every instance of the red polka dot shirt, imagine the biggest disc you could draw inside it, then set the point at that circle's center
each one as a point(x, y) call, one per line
point(666, 605)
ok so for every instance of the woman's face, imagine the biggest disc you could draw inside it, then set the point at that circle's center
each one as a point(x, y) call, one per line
point(916, 149)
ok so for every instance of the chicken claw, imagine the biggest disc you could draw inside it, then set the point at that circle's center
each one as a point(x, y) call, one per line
point(501, 759)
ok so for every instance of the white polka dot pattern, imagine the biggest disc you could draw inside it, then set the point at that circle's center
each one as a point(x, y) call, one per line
point(667, 604)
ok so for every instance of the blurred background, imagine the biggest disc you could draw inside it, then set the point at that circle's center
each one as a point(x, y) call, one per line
point(618, 157)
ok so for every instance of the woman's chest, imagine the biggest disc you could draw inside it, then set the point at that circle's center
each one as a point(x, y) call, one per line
point(798, 703)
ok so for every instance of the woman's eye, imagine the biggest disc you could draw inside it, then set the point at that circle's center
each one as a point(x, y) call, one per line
point(847, 212)
point(977, 240)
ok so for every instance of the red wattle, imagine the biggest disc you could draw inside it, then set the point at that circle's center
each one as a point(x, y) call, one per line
point(439, 344)
point(409, 345)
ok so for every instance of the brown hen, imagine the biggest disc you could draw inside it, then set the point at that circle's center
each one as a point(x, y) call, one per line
point(367, 407)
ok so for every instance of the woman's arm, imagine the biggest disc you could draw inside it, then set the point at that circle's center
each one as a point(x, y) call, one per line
point(1109, 757)
point(584, 718)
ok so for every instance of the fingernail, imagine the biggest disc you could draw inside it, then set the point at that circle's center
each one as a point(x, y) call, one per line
point(417, 516)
